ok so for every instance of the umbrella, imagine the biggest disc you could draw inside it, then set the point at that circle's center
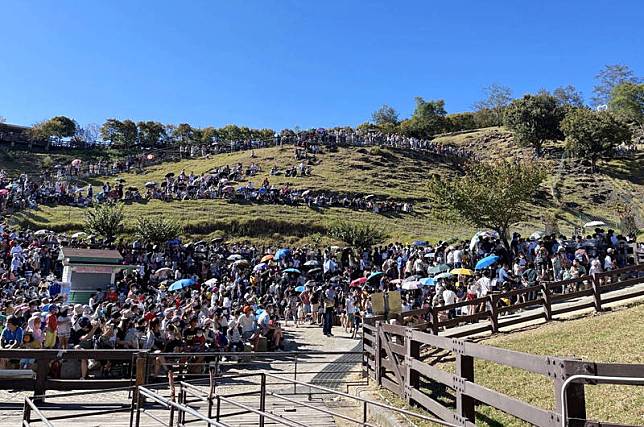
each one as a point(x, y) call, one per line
point(267, 258)
point(396, 281)
point(292, 270)
point(41, 232)
point(594, 224)
point(282, 253)
point(310, 283)
point(441, 268)
point(486, 262)
point(536, 235)
point(76, 162)
point(163, 270)
point(442, 276)
point(311, 263)
point(411, 278)
point(180, 284)
point(306, 193)
point(475, 239)
point(169, 174)
point(462, 271)
point(420, 243)
point(427, 281)
point(241, 263)
point(260, 267)
point(374, 275)
point(358, 282)
point(79, 235)
point(370, 196)
point(300, 289)
point(211, 282)
point(234, 257)
point(4, 192)
point(411, 285)
point(429, 255)
point(314, 270)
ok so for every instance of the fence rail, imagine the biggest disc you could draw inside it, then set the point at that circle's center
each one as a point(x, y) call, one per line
point(395, 356)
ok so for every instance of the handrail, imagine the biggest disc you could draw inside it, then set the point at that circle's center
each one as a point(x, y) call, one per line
point(169, 403)
point(34, 408)
point(281, 420)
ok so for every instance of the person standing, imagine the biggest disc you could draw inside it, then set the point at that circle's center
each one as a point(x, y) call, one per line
point(329, 310)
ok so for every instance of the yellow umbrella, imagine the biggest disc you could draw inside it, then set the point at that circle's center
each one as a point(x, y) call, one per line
point(462, 271)
point(266, 258)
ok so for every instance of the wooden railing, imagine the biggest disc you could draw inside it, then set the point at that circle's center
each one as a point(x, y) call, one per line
point(550, 296)
point(395, 360)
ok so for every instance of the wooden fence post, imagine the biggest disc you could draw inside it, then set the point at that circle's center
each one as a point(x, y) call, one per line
point(494, 313)
point(575, 395)
point(377, 346)
point(547, 303)
point(40, 387)
point(465, 405)
point(412, 351)
point(596, 293)
point(433, 317)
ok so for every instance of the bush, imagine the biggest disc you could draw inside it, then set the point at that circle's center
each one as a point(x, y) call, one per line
point(46, 162)
point(156, 230)
point(358, 235)
point(105, 220)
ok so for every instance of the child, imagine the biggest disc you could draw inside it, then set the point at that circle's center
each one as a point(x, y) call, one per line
point(29, 343)
point(51, 327)
point(301, 315)
point(64, 327)
point(344, 321)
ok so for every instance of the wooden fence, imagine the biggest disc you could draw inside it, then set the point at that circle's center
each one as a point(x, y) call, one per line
point(395, 360)
point(552, 297)
point(393, 356)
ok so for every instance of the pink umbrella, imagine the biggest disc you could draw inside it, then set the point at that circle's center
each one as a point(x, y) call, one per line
point(150, 156)
point(4, 192)
point(358, 282)
point(76, 162)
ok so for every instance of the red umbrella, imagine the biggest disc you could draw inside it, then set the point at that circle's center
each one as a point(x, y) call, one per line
point(358, 282)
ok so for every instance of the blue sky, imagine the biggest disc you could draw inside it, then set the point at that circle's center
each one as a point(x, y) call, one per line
point(286, 63)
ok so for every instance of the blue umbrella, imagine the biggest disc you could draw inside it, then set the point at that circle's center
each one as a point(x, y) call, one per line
point(486, 262)
point(260, 267)
point(420, 243)
point(282, 253)
point(300, 289)
point(180, 284)
point(427, 281)
point(259, 311)
point(374, 275)
point(292, 270)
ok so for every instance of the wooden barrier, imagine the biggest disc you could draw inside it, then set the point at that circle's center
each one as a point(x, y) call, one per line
point(394, 360)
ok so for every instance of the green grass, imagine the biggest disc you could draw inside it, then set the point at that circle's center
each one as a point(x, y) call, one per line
point(613, 337)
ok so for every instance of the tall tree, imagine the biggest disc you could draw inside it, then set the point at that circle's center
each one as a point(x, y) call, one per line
point(627, 100)
point(385, 115)
point(490, 195)
point(184, 133)
point(57, 127)
point(428, 119)
point(111, 131)
point(129, 133)
point(150, 133)
point(569, 96)
point(593, 134)
point(497, 98)
point(609, 77)
point(534, 119)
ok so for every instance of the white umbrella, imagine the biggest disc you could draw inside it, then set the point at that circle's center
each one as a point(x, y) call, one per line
point(536, 235)
point(234, 257)
point(79, 235)
point(594, 224)
point(41, 232)
point(211, 282)
point(163, 270)
point(411, 285)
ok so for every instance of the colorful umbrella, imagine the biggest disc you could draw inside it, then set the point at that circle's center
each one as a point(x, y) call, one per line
point(260, 267)
point(180, 284)
point(462, 271)
point(266, 258)
point(358, 282)
point(486, 262)
point(282, 253)
point(427, 281)
point(300, 289)
point(374, 275)
point(292, 271)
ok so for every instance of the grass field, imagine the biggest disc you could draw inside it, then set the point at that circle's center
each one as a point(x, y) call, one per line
point(614, 337)
point(394, 174)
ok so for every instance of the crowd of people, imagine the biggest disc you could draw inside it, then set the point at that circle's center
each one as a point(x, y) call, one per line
point(207, 297)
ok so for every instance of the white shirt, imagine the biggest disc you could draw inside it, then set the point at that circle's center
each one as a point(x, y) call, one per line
point(449, 296)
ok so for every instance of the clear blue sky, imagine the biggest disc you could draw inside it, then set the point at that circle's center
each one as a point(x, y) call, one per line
point(282, 63)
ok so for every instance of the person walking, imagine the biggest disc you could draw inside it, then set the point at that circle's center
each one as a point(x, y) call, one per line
point(329, 310)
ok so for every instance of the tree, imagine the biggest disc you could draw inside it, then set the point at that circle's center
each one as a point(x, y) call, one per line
point(121, 134)
point(490, 195)
point(627, 100)
point(609, 77)
point(428, 119)
point(569, 96)
point(497, 98)
point(593, 134)
point(111, 131)
point(156, 230)
point(184, 133)
point(534, 119)
point(385, 115)
point(105, 219)
point(209, 135)
point(461, 121)
point(150, 133)
point(57, 127)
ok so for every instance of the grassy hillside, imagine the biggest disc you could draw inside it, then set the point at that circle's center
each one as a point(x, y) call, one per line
point(610, 338)
point(394, 174)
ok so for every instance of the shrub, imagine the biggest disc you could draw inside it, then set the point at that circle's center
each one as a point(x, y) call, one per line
point(156, 230)
point(358, 235)
point(105, 220)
